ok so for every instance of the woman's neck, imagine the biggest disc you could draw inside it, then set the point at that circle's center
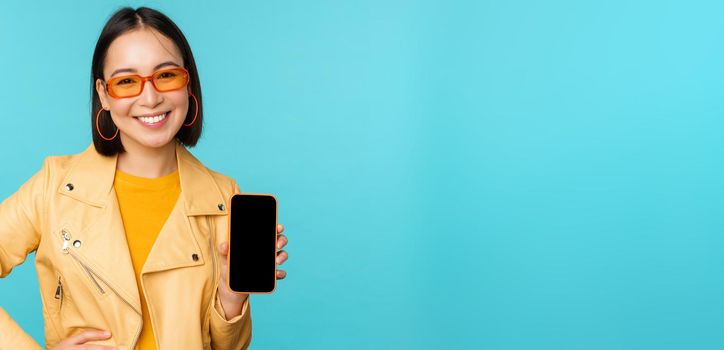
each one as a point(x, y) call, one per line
point(147, 162)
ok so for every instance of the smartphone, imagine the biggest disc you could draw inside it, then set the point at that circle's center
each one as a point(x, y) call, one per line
point(252, 243)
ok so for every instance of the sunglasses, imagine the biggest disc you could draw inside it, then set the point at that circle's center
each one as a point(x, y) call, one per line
point(132, 85)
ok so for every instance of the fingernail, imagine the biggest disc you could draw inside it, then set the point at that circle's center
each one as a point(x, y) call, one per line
point(107, 333)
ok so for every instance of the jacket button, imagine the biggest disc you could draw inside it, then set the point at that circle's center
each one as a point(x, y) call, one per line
point(69, 187)
point(195, 257)
point(76, 243)
point(221, 207)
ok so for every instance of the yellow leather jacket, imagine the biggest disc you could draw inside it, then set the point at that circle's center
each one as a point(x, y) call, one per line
point(68, 213)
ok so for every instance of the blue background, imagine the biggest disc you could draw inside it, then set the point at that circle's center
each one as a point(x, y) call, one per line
point(491, 174)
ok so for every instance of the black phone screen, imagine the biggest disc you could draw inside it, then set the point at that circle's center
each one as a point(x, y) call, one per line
point(252, 243)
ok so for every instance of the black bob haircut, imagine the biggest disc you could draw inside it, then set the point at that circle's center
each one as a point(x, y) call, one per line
point(122, 21)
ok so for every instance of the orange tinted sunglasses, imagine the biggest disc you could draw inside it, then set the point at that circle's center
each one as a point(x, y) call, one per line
point(132, 85)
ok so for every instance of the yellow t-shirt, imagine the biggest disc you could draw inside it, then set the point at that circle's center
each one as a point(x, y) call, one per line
point(145, 204)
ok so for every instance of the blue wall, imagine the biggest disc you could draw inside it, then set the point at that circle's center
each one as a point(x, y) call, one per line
point(451, 174)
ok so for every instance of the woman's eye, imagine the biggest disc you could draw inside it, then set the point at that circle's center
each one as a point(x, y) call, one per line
point(124, 81)
point(166, 75)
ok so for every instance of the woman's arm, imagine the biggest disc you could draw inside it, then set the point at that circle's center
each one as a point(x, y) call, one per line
point(234, 333)
point(20, 218)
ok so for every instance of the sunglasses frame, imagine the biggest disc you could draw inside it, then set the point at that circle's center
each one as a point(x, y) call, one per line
point(144, 79)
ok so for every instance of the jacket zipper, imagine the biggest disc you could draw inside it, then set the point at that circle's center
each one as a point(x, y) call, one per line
point(89, 273)
point(66, 250)
point(59, 292)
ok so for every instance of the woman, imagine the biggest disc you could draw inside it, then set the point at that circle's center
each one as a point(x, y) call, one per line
point(130, 233)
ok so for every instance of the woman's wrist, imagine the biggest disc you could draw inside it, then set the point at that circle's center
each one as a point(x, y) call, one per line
point(231, 305)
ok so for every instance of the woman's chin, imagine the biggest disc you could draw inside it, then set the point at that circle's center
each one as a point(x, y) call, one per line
point(156, 141)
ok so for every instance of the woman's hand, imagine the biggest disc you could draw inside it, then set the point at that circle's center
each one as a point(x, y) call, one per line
point(78, 341)
point(232, 302)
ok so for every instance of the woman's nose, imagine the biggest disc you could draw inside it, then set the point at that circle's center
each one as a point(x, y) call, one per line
point(149, 96)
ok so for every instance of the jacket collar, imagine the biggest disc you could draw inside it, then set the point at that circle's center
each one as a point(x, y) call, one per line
point(90, 180)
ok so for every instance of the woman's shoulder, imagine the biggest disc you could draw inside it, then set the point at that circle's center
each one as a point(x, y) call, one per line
point(90, 166)
point(219, 177)
point(60, 163)
point(57, 166)
point(192, 167)
point(227, 184)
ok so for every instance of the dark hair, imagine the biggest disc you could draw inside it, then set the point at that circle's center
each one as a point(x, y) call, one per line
point(122, 21)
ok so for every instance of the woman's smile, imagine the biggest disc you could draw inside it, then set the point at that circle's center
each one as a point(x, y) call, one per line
point(152, 120)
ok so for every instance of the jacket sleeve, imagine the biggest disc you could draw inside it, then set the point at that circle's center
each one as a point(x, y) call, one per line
point(233, 334)
point(230, 334)
point(20, 227)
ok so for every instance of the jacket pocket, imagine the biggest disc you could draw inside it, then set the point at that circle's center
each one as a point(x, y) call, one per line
point(52, 307)
point(59, 293)
point(54, 304)
point(65, 235)
point(91, 276)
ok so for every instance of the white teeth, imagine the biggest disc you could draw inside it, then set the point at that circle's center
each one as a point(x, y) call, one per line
point(153, 120)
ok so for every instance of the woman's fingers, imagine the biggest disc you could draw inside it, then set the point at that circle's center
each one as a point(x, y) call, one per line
point(282, 256)
point(282, 240)
point(224, 248)
point(89, 336)
point(79, 341)
point(224, 252)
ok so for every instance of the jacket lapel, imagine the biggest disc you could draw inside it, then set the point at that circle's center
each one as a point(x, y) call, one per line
point(176, 244)
point(104, 247)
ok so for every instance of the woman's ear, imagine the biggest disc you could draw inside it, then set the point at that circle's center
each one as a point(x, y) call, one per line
point(101, 89)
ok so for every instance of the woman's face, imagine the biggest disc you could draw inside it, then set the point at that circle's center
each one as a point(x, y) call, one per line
point(143, 52)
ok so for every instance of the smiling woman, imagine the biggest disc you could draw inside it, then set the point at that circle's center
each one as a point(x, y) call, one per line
point(141, 43)
point(131, 233)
